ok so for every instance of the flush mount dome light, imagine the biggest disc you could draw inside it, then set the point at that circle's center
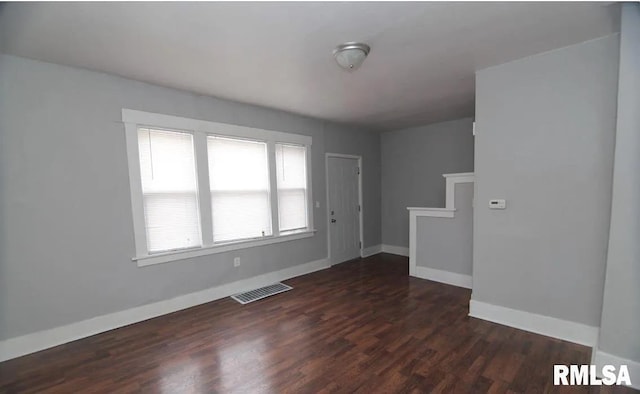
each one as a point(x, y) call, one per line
point(350, 55)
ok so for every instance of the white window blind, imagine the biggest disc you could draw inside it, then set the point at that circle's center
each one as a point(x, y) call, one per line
point(291, 168)
point(169, 190)
point(239, 182)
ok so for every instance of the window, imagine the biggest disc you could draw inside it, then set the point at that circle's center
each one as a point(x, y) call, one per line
point(169, 191)
point(201, 187)
point(239, 180)
point(291, 171)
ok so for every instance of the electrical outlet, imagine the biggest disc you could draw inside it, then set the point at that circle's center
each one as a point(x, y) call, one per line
point(236, 262)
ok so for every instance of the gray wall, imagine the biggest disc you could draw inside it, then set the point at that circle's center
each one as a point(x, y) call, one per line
point(544, 141)
point(447, 243)
point(620, 328)
point(66, 236)
point(413, 161)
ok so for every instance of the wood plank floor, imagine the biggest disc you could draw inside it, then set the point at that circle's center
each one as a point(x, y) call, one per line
point(362, 326)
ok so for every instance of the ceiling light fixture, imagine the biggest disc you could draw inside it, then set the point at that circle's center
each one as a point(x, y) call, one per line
point(350, 55)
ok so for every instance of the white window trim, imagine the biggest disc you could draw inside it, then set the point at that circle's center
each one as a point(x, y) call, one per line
point(200, 129)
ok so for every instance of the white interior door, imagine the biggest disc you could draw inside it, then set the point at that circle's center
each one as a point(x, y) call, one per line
point(343, 177)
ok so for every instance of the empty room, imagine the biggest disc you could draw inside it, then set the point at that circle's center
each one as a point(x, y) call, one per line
point(303, 197)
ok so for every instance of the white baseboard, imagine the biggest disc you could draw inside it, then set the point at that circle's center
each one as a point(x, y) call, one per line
point(399, 250)
point(600, 358)
point(450, 278)
point(371, 250)
point(539, 324)
point(30, 343)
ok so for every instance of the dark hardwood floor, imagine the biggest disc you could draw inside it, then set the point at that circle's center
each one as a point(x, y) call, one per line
point(362, 326)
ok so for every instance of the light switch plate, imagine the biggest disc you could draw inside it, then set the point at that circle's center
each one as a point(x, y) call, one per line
point(497, 204)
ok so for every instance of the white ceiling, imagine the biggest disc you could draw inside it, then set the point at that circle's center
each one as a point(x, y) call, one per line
point(279, 55)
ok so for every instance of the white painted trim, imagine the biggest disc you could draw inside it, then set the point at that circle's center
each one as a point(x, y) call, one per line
point(399, 250)
point(414, 213)
point(371, 250)
point(447, 212)
point(423, 209)
point(432, 212)
point(30, 343)
point(201, 156)
point(310, 209)
point(413, 242)
point(135, 187)
point(600, 358)
point(539, 324)
point(342, 155)
point(152, 119)
point(174, 255)
point(450, 278)
point(327, 155)
point(461, 175)
point(451, 181)
point(273, 185)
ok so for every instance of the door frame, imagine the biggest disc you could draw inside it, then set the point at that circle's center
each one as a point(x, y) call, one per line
point(328, 155)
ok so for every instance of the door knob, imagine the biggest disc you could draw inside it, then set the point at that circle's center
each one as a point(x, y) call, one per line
point(333, 220)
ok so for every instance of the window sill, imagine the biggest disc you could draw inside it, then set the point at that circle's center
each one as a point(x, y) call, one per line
point(166, 257)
